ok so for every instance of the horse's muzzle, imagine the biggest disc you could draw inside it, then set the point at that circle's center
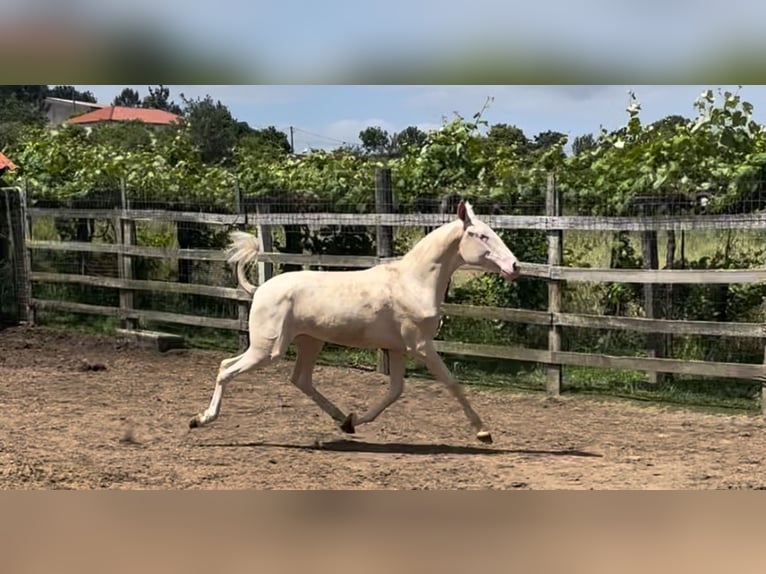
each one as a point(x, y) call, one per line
point(511, 273)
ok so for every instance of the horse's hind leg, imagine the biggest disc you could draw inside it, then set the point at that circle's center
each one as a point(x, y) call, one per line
point(230, 368)
point(396, 385)
point(308, 350)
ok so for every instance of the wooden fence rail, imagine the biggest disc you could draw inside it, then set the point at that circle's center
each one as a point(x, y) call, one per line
point(531, 222)
point(553, 272)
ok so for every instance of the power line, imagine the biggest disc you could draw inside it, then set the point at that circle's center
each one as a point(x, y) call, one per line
point(320, 136)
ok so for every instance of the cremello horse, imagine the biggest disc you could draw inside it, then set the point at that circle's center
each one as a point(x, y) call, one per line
point(393, 306)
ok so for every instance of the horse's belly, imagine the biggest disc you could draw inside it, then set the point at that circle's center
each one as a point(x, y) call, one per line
point(362, 330)
point(351, 309)
point(364, 338)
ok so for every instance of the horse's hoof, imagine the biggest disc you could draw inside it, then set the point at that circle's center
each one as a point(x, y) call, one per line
point(484, 437)
point(348, 425)
point(194, 423)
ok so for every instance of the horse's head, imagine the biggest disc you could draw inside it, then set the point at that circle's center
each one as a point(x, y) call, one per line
point(482, 247)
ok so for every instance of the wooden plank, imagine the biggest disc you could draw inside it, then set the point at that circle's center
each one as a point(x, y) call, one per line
point(659, 222)
point(671, 326)
point(590, 223)
point(497, 313)
point(146, 315)
point(540, 270)
point(493, 351)
point(361, 261)
point(193, 320)
point(696, 368)
point(683, 367)
point(138, 215)
point(71, 307)
point(154, 340)
point(709, 276)
point(134, 250)
point(144, 285)
point(638, 324)
point(690, 276)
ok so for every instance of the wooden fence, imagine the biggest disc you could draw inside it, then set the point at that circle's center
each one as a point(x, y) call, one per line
point(553, 223)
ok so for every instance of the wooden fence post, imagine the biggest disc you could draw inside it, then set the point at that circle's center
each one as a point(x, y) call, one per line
point(265, 243)
point(384, 203)
point(555, 258)
point(655, 341)
point(243, 307)
point(16, 214)
point(763, 386)
point(125, 231)
point(26, 222)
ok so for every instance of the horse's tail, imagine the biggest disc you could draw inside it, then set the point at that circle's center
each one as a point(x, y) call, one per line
point(243, 249)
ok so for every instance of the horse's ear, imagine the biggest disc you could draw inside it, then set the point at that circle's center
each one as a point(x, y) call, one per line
point(462, 212)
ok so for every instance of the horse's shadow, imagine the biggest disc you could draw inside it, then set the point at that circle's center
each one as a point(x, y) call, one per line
point(346, 445)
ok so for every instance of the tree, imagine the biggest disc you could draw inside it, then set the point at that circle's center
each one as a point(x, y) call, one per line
point(547, 139)
point(28, 94)
point(504, 134)
point(375, 139)
point(212, 128)
point(267, 141)
point(70, 93)
point(20, 107)
point(583, 143)
point(243, 129)
point(160, 99)
point(410, 137)
point(128, 98)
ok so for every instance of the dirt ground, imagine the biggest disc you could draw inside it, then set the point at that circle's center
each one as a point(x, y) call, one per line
point(126, 426)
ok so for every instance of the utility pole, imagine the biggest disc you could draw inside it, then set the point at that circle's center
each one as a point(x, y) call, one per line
point(292, 145)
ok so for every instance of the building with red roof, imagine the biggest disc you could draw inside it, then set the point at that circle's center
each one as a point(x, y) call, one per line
point(125, 114)
point(5, 163)
point(59, 110)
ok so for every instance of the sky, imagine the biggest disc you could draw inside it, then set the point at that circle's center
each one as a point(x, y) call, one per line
point(307, 39)
point(326, 116)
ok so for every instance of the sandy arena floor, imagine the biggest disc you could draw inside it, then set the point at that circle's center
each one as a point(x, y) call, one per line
point(126, 426)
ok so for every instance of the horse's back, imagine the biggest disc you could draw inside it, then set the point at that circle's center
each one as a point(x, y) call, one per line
point(345, 307)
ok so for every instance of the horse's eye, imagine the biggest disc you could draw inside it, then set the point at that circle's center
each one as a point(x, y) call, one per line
point(484, 238)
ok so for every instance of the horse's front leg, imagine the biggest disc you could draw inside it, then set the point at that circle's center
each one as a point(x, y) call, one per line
point(427, 353)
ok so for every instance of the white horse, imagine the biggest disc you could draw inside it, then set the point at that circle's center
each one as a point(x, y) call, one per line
point(393, 306)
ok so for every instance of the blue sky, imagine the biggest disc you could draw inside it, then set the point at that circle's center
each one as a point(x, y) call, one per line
point(328, 115)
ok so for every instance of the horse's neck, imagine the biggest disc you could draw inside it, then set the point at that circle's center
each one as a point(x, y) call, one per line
point(435, 258)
